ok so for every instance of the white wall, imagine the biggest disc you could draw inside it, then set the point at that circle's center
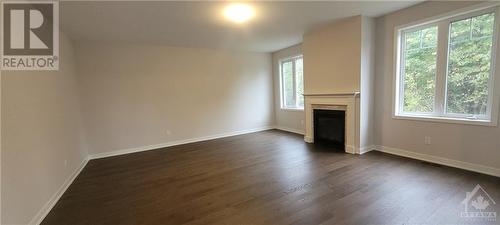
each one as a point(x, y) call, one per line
point(139, 95)
point(332, 56)
point(41, 128)
point(291, 120)
point(367, 105)
point(467, 143)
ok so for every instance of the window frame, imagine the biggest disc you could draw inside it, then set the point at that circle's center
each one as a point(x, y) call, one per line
point(443, 24)
point(282, 85)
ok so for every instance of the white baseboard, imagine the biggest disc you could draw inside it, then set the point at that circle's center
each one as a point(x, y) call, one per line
point(174, 143)
point(292, 130)
point(366, 149)
point(440, 160)
point(44, 211)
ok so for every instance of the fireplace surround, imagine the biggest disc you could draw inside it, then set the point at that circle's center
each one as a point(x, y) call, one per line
point(347, 102)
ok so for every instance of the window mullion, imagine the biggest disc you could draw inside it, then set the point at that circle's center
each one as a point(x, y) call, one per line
point(441, 68)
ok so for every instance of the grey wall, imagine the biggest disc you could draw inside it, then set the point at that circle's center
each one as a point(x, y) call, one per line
point(140, 95)
point(41, 129)
point(291, 120)
point(467, 143)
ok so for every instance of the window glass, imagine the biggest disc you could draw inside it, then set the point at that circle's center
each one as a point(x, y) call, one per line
point(288, 84)
point(469, 66)
point(419, 80)
point(300, 82)
point(292, 87)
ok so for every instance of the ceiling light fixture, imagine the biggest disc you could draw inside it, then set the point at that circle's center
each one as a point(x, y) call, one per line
point(238, 12)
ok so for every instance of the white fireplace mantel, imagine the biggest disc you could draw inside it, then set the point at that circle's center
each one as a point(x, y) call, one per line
point(352, 94)
point(348, 102)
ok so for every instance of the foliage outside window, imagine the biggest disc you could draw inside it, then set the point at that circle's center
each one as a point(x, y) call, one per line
point(420, 70)
point(445, 68)
point(292, 83)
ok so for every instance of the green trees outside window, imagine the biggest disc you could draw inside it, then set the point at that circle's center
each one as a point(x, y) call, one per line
point(292, 83)
point(420, 70)
point(447, 76)
point(469, 65)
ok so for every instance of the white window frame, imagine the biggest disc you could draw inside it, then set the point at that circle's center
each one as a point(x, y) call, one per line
point(443, 23)
point(282, 89)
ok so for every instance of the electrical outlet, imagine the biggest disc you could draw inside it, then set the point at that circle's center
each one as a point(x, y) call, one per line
point(302, 122)
point(65, 163)
point(427, 140)
point(168, 132)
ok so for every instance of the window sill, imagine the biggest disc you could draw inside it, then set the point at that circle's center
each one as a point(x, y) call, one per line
point(436, 119)
point(293, 109)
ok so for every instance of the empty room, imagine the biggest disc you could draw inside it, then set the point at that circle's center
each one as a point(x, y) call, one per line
point(250, 113)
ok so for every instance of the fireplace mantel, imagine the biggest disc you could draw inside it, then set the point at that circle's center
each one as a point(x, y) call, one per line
point(348, 102)
point(354, 94)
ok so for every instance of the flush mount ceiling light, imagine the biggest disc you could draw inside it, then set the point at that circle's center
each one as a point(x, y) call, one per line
point(238, 12)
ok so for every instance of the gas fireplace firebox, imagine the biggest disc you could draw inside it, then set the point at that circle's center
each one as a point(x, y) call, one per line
point(329, 128)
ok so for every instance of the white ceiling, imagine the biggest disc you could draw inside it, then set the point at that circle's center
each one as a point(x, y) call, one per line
point(200, 24)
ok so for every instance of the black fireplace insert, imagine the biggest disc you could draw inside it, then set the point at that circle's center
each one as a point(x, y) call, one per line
point(329, 128)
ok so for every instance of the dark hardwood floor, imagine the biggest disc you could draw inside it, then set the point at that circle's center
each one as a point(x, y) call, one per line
point(269, 177)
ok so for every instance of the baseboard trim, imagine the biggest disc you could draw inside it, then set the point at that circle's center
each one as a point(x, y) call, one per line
point(292, 130)
point(440, 160)
point(44, 211)
point(366, 149)
point(179, 142)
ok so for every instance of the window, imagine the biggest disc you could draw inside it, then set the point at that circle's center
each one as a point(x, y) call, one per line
point(419, 72)
point(292, 83)
point(445, 68)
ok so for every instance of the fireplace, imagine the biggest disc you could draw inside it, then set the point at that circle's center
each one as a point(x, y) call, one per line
point(348, 104)
point(329, 128)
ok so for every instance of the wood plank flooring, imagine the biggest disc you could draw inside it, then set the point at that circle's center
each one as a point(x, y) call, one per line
point(269, 177)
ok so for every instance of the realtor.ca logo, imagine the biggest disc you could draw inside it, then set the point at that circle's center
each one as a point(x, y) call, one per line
point(479, 205)
point(30, 35)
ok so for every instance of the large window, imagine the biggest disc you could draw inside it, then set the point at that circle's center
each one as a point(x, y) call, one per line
point(292, 83)
point(445, 68)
